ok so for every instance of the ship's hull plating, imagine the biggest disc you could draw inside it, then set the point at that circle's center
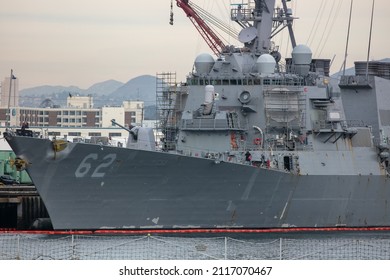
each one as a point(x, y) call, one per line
point(89, 186)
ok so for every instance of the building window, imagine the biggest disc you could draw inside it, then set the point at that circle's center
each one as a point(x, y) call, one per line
point(54, 133)
point(94, 134)
point(114, 134)
point(74, 133)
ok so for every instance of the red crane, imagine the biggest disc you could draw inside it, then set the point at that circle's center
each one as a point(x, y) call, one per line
point(214, 42)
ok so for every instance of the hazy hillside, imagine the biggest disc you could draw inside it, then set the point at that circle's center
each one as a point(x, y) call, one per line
point(104, 88)
point(48, 90)
point(33, 97)
point(351, 71)
point(140, 88)
point(109, 92)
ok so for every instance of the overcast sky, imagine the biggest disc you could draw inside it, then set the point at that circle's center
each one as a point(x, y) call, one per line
point(82, 42)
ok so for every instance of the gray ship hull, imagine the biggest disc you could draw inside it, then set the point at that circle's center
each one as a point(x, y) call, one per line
point(250, 141)
point(88, 186)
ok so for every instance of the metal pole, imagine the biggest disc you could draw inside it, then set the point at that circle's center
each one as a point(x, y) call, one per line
point(18, 254)
point(346, 47)
point(289, 25)
point(226, 248)
point(9, 99)
point(280, 248)
point(369, 41)
point(73, 257)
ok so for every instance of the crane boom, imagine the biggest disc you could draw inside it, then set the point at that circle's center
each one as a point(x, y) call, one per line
point(214, 42)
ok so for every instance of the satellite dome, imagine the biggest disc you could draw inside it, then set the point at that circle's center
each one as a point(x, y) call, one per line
point(203, 63)
point(301, 55)
point(266, 64)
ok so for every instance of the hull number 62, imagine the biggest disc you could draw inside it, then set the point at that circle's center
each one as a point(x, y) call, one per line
point(88, 165)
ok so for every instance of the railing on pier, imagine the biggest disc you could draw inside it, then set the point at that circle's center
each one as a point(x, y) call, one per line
point(143, 247)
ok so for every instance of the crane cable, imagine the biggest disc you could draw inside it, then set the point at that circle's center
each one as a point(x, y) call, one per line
point(206, 16)
point(315, 25)
point(331, 27)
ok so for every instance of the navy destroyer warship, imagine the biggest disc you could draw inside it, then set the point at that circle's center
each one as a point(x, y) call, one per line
point(250, 141)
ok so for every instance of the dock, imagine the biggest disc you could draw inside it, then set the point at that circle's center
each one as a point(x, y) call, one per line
point(21, 207)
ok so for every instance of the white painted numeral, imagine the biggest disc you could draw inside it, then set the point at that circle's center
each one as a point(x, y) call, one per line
point(85, 166)
point(110, 159)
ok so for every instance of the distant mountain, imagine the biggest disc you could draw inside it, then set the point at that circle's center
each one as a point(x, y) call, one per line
point(348, 72)
point(33, 97)
point(104, 88)
point(351, 71)
point(101, 88)
point(107, 93)
point(140, 88)
point(48, 90)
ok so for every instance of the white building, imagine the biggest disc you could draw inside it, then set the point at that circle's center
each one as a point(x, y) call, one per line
point(81, 102)
point(75, 121)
